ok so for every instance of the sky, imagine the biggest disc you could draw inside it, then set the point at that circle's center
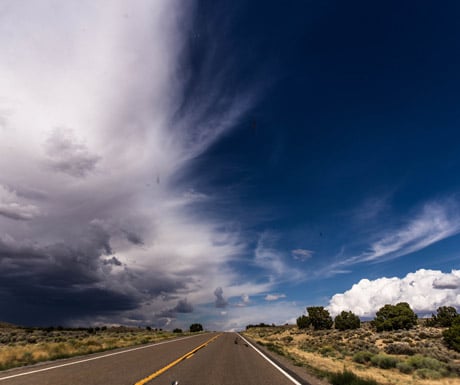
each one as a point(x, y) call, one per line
point(166, 162)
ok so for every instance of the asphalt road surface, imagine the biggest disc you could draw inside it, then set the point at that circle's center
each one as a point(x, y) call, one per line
point(205, 359)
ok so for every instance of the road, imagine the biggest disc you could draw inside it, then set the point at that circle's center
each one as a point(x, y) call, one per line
point(205, 359)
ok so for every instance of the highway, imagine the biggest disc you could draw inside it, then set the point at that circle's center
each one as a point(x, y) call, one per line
point(204, 359)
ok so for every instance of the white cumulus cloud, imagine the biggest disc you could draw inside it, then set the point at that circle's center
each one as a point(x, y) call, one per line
point(424, 290)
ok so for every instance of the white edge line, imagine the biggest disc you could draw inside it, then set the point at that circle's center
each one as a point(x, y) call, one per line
point(271, 362)
point(94, 358)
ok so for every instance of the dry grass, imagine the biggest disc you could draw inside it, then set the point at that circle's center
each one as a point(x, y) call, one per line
point(412, 357)
point(25, 346)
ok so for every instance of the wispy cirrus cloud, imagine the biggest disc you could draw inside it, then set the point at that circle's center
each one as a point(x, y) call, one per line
point(434, 222)
point(273, 261)
point(302, 254)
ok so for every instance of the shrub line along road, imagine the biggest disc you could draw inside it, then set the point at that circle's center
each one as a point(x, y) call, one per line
point(205, 359)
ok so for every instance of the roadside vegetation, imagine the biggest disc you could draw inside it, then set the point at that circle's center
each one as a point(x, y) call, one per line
point(25, 346)
point(394, 348)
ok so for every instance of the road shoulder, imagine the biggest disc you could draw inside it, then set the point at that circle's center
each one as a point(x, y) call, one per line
point(286, 364)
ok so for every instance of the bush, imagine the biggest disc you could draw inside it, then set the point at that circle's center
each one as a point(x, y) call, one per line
point(428, 374)
point(452, 335)
point(303, 322)
point(424, 367)
point(288, 339)
point(363, 357)
point(395, 317)
point(349, 378)
point(399, 348)
point(421, 362)
point(327, 351)
point(404, 367)
point(177, 330)
point(347, 321)
point(384, 361)
point(319, 317)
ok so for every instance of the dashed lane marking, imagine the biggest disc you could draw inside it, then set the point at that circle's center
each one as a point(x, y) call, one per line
point(174, 363)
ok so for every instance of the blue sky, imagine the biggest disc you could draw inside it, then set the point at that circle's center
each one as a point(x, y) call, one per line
point(227, 163)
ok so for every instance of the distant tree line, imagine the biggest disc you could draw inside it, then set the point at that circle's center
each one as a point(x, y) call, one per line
point(261, 325)
point(387, 318)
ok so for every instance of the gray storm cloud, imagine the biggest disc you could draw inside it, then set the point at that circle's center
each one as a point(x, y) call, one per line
point(220, 301)
point(95, 120)
point(67, 155)
point(20, 212)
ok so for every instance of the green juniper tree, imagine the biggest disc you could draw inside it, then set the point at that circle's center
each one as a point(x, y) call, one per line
point(395, 317)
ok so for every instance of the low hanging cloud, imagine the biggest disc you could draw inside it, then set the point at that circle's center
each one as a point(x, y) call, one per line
point(220, 301)
point(424, 290)
point(183, 306)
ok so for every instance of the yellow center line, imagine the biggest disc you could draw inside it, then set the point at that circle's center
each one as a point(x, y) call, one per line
point(169, 366)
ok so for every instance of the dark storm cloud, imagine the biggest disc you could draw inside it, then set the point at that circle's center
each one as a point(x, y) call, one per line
point(183, 306)
point(133, 238)
point(56, 265)
point(67, 155)
point(220, 302)
point(112, 261)
point(56, 283)
point(59, 283)
point(36, 304)
point(99, 236)
point(26, 192)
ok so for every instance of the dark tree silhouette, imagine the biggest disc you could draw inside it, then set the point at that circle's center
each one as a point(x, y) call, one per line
point(319, 318)
point(196, 328)
point(303, 322)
